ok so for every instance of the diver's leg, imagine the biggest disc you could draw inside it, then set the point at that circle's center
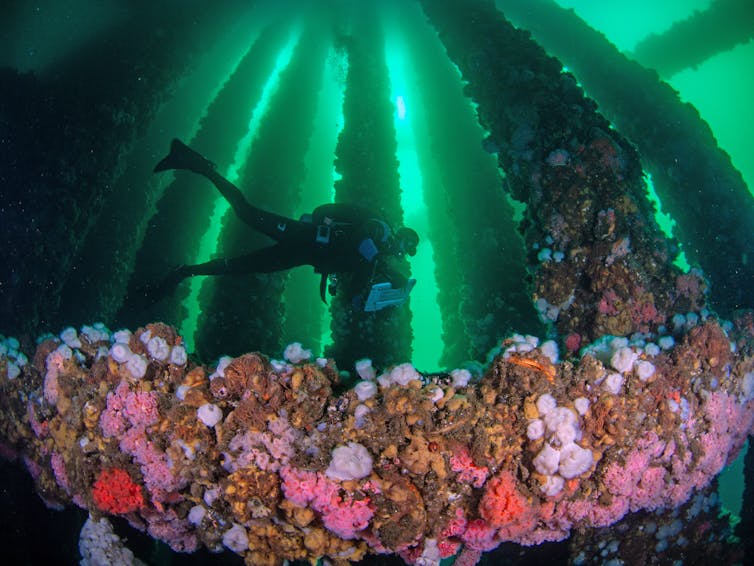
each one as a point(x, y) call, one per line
point(273, 225)
point(265, 260)
point(183, 157)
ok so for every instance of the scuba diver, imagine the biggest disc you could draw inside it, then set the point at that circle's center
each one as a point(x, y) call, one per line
point(334, 239)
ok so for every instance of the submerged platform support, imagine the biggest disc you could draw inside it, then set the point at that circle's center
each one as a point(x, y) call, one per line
point(694, 178)
point(366, 161)
point(600, 263)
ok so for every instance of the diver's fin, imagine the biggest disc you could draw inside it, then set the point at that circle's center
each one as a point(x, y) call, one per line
point(182, 156)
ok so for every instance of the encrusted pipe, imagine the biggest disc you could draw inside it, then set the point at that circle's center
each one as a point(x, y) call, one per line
point(258, 456)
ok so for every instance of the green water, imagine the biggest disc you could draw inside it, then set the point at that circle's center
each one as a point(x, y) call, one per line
point(718, 88)
point(44, 33)
point(721, 88)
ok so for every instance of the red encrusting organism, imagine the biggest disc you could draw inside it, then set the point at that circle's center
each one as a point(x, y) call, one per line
point(502, 504)
point(115, 492)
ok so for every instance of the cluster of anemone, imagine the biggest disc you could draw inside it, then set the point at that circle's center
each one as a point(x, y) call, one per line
point(259, 456)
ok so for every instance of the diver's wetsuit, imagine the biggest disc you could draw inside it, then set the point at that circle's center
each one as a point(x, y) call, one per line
point(340, 238)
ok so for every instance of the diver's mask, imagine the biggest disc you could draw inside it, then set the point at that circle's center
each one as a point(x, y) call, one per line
point(332, 284)
point(406, 240)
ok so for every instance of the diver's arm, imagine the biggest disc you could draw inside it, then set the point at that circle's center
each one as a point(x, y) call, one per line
point(360, 284)
point(383, 261)
point(384, 267)
point(391, 272)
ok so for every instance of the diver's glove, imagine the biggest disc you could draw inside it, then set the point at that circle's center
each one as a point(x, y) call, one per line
point(397, 280)
point(357, 302)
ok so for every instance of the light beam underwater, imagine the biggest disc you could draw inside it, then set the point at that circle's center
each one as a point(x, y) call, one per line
point(427, 346)
point(209, 242)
